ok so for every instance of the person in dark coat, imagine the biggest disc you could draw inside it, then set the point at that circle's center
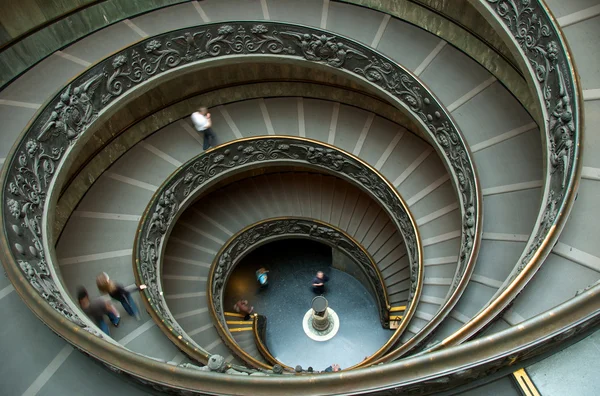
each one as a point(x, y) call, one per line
point(318, 282)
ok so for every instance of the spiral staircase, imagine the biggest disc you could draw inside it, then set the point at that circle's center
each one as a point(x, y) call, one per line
point(462, 123)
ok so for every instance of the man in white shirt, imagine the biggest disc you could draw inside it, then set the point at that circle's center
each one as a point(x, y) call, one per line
point(203, 123)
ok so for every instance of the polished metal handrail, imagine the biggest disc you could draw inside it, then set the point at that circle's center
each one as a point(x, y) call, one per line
point(211, 167)
point(535, 36)
point(565, 319)
point(36, 162)
point(259, 324)
point(268, 230)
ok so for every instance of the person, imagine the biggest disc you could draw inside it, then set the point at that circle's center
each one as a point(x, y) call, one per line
point(318, 282)
point(97, 308)
point(119, 293)
point(333, 368)
point(262, 278)
point(242, 307)
point(203, 123)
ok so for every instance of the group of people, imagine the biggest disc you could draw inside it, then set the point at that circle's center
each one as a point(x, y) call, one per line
point(331, 369)
point(97, 308)
point(243, 307)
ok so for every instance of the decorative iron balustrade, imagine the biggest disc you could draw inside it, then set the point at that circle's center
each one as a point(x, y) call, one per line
point(238, 246)
point(34, 162)
point(538, 38)
point(37, 159)
point(267, 230)
point(208, 168)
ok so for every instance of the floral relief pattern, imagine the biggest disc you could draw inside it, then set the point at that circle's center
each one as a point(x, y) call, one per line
point(77, 107)
point(250, 238)
point(190, 179)
point(68, 115)
point(541, 43)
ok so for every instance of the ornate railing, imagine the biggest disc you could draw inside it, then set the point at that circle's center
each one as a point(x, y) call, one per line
point(259, 329)
point(268, 230)
point(538, 40)
point(32, 173)
point(215, 165)
point(36, 160)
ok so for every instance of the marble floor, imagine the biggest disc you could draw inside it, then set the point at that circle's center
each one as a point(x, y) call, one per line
point(292, 265)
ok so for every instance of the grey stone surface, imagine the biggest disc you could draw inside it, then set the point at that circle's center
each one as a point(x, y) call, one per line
point(439, 198)
point(14, 119)
point(429, 171)
point(497, 258)
point(519, 158)
point(442, 225)
point(102, 197)
point(35, 86)
point(513, 212)
point(235, 10)
point(493, 112)
point(359, 23)
point(104, 42)
point(381, 133)
point(351, 121)
point(80, 375)
point(408, 149)
point(317, 114)
point(307, 12)
point(175, 141)
point(591, 140)
point(169, 18)
point(584, 219)
point(555, 282)
point(80, 236)
point(151, 343)
point(561, 8)
point(138, 161)
point(283, 113)
point(452, 74)
point(27, 341)
point(583, 39)
point(500, 387)
point(572, 371)
point(406, 43)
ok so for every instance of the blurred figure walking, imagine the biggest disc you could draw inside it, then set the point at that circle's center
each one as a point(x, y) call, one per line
point(203, 123)
point(262, 278)
point(97, 308)
point(318, 283)
point(119, 293)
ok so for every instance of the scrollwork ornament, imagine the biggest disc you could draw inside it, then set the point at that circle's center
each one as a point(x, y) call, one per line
point(250, 238)
point(540, 41)
point(77, 107)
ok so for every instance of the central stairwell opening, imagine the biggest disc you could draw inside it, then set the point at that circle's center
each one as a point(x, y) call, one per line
point(292, 265)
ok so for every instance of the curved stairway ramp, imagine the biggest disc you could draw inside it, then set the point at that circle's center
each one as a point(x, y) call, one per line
point(575, 251)
point(242, 331)
point(206, 226)
point(439, 278)
point(101, 230)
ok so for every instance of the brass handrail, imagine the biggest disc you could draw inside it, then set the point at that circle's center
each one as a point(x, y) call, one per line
point(228, 257)
point(262, 348)
point(188, 181)
point(559, 95)
point(53, 132)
